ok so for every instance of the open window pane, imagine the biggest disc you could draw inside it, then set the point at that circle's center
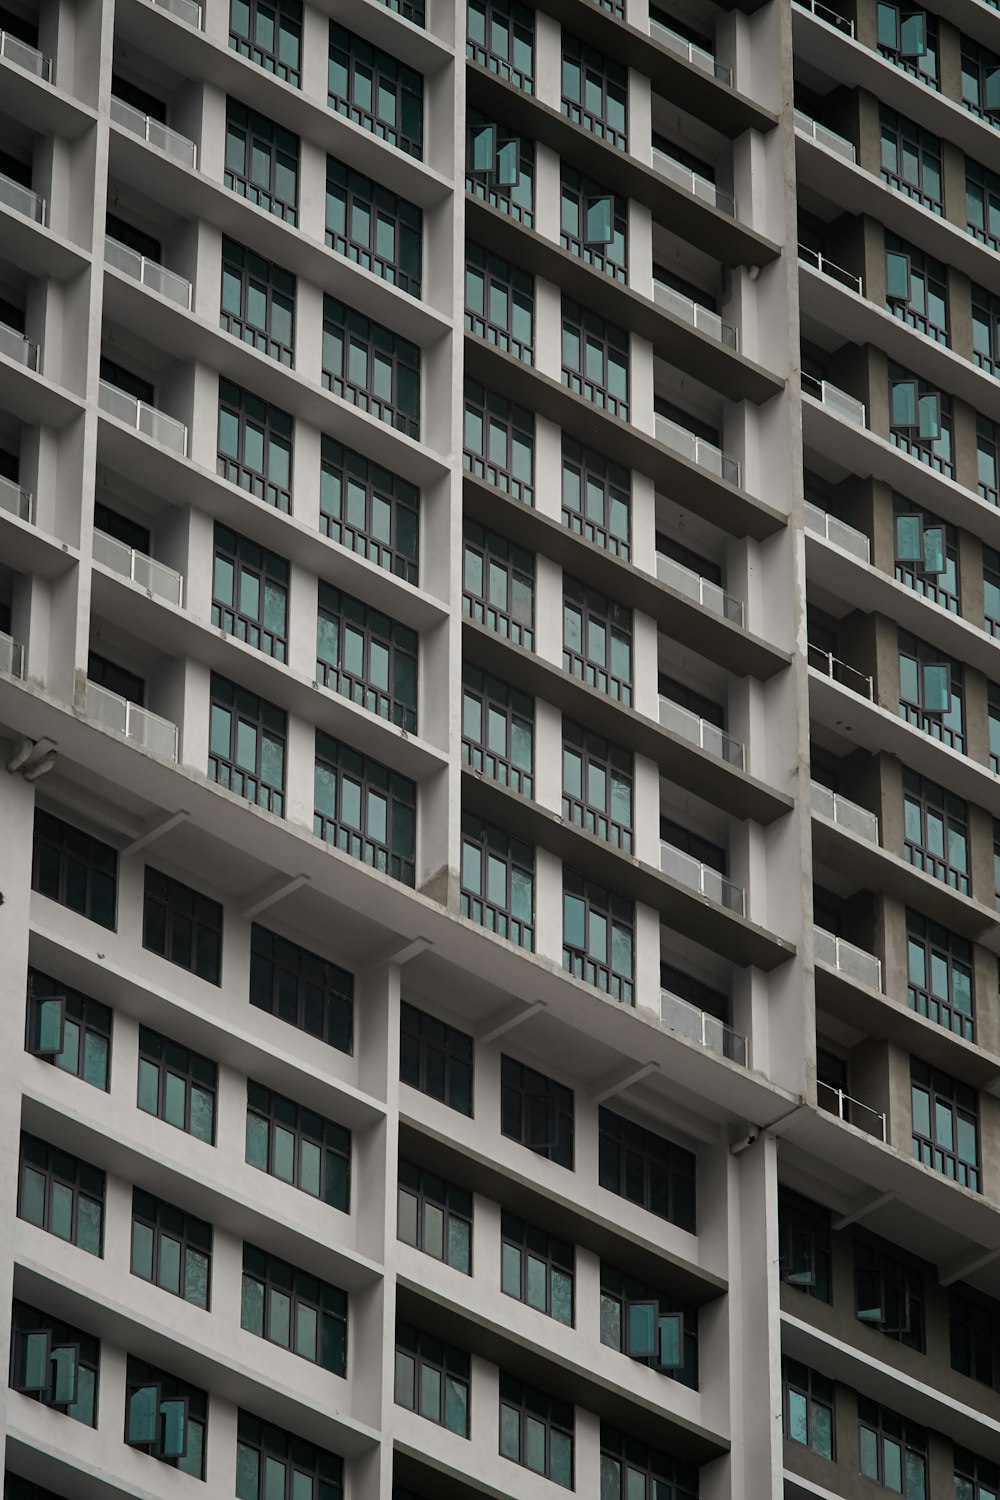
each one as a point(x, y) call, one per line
point(909, 542)
point(142, 1410)
point(913, 34)
point(801, 1268)
point(48, 1026)
point(640, 1330)
point(33, 1374)
point(929, 426)
point(897, 276)
point(904, 403)
point(937, 688)
point(173, 1428)
point(65, 1374)
point(670, 1341)
point(598, 220)
point(483, 148)
point(991, 91)
point(935, 559)
point(508, 170)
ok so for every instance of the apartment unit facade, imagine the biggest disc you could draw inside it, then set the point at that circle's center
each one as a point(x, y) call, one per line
point(499, 842)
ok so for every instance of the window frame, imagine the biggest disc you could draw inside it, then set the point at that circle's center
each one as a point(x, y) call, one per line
point(350, 54)
point(193, 1237)
point(163, 894)
point(922, 146)
point(273, 428)
point(357, 477)
point(303, 1291)
point(578, 195)
point(528, 1404)
point(92, 1021)
point(814, 1391)
point(537, 1112)
point(515, 198)
point(362, 197)
point(525, 1243)
point(261, 136)
point(77, 1178)
point(269, 726)
point(616, 766)
point(254, 273)
point(663, 1476)
point(279, 966)
point(378, 633)
point(946, 951)
point(167, 1388)
point(425, 1352)
point(269, 1445)
point(286, 20)
point(199, 1076)
point(496, 703)
point(517, 288)
point(888, 1428)
point(485, 851)
point(499, 422)
point(953, 1098)
point(497, 556)
point(54, 835)
point(381, 348)
point(516, 64)
point(336, 762)
point(453, 1049)
point(667, 1170)
point(593, 335)
point(603, 491)
point(248, 559)
point(595, 71)
point(331, 1142)
point(435, 1197)
point(603, 915)
point(60, 1337)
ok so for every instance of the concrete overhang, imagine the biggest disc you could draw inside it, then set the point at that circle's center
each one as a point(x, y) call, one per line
point(27, 549)
point(40, 251)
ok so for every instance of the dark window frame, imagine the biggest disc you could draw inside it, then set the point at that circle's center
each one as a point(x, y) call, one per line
point(383, 498)
point(272, 428)
point(441, 1216)
point(362, 199)
point(503, 40)
point(595, 70)
point(505, 453)
point(297, 1303)
point(192, 1236)
point(487, 850)
point(347, 333)
point(61, 1170)
point(272, 282)
point(886, 1429)
point(591, 335)
point(528, 1254)
point(618, 1291)
point(515, 287)
point(141, 1377)
point(945, 1095)
point(258, 1440)
point(922, 146)
point(85, 1360)
point(647, 1169)
point(580, 199)
point(500, 708)
point(592, 914)
point(596, 498)
point(352, 57)
point(815, 1393)
point(438, 1060)
point(615, 767)
point(85, 1029)
point(625, 1459)
point(427, 1354)
point(937, 833)
point(269, 725)
point(522, 1405)
point(492, 555)
point(331, 1142)
point(285, 18)
point(598, 620)
point(297, 986)
point(376, 637)
point(805, 1255)
point(197, 1074)
point(389, 846)
point(261, 136)
point(252, 566)
point(81, 860)
point(189, 919)
point(515, 198)
point(946, 955)
point(537, 1112)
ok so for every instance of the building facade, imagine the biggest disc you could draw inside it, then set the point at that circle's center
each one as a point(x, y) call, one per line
point(499, 831)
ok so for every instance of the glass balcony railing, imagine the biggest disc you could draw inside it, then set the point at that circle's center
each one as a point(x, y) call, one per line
point(155, 577)
point(851, 1111)
point(21, 199)
point(16, 501)
point(23, 56)
point(15, 346)
point(838, 532)
point(112, 711)
point(847, 959)
point(158, 135)
point(702, 590)
point(184, 10)
point(694, 182)
point(701, 1027)
point(697, 449)
point(824, 13)
point(834, 399)
point(843, 811)
point(702, 318)
point(11, 656)
point(699, 56)
point(143, 417)
point(826, 267)
point(840, 671)
point(149, 272)
point(824, 136)
point(700, 732)
point(701, 878)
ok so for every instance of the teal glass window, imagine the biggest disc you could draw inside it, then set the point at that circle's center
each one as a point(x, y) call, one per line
point(434, 1216)
point(497, 730)
point(298, 1146)
point(536, 1430)
point(373, 227)
point(165, 1417)
point(177, 1085)
point(807, 1407)
point(262, 161)
point(369, 510)
point(596, 498)
point(598, 937)
point(294, 1309)
point(372, 367)
point(246, 745)
point(272, 1464)
point(250, 593)
point(498, 882)
point(500, 35)
point(68, 1029)
point(61, 1194)
point(432, 1379)
point(648, 1326)
point(499, 442)
point(376, 91)
point(536, 1268)
point(365, 809)
point(269, 34)
point(945, 1116)
point(171, 1249)
point(54, 1364)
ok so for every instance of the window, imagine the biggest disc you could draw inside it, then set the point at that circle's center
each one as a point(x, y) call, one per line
point(435, 1058)
point(648, 1326)
point(75, 869)
point(595, 359)
point(272, 1464)
point(982, 201)
point(255, 446)
point(126, 380)
point(16, 1488)
point(593, 223)
point(375, 91)
point(182, 926)
point(598, 937)
point(262, 161)
point(373, 227)
point(595, 92)
point(807, 1407)
point(597, 640)
point(889, 1295)
point(499, 442)
point(908, 38)
point(367, 657)
point(118, 680)
point(432, 1379)
point(270, 35)
point(257, 301)
point(975, 1478)
point(926, 554)
point(980, 80)
point(536, 1269)
point(500, 168)
point(993, 725)
point(920, 420)
point(499, 585)
point(368, 365)
point(991, 591)
point(499, 302)
point(930, 691)
point(61, 1194)
point(246, 745)
point(365, 809)
point(988, 459)
point(298, 1146)
point(974, 1322)
point(295, 1310)
point(177, 1085)
point(165, 1417)
point(498, 882)
point(68, 1029)
point(54, 1363)
point(536, 1111)
point(250, 593)
point(986, 327)
point(916, 288)
point(911, 159)
point(500, 35)
point(170, 1248)
point(536, 1430)
point(299, 987)
point(945, 1124)
point(597, 785)
point(936, 831)
point(498, 730)
point(647, 1169)
point(632, 1470)
point(369, 510)
point(893, 1451)
point(122, 528)
point(939, 973)
point(434, 1216)
point(596, 498)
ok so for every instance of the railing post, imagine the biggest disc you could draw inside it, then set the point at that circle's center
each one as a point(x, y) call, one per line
point(131, 564)
point(145, 126)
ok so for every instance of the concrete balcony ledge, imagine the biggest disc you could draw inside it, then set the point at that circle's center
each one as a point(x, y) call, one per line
point(145, 730)
point(156, 578)
point(25, 547)
point(152, 275)
point(31, 245)
point(34, 99)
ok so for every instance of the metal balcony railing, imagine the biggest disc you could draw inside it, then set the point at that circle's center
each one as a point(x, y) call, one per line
point(694, 182)
point(699, 450)
point(149, 272)
point(184, 10)
point(15, 346)
point(843, 811)
point(16, 501)
point(840, 671)
point(836, 400)
point(686, 581)
point(702, 318)
point(143, 417)
point(824, 136)
point(23, 56)
point(851, 1111)
point(158, 135)
point(701, 1027)
point(827, 267)
point(700, 732)
point(21, 199)
point(115, 712)
point(11, 656)
point(824, 13)
point(838, 532)
point(699, 56)
point(847, 958)
point(155, 577)
point(701, 878)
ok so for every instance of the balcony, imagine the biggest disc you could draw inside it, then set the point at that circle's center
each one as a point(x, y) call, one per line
point(21, 199)
point(698, 56)
point(835, 400)
point(16, 501)
point(694, 183)
point(686, 581)
point(700, 732)
point(160, 136)
point(829, 17)
point(701, 878)
point(144, 418)
point(697, 449)
point(844, 812)
point(826, 267)
point(15, 346)
point(159, 581)
point(152, 275)
point(701, 1027)
point(137, 724)
point(824, 136)
point(702, 318)
point(11, 656)
point(185, 10)
point(848, 959)
point(851, 1111)
point(23, 56)
point(838, 532)
point(840, 671)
